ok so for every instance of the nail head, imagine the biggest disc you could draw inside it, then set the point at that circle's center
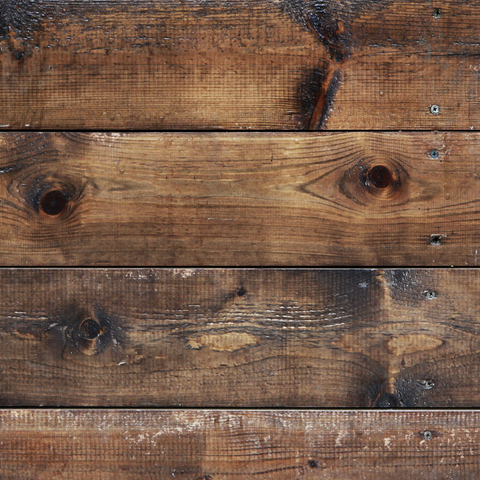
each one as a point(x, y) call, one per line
point(427, 435)
point(430, 294)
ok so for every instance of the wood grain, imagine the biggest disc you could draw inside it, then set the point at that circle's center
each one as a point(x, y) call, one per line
point(219, 445)
point(246, 199)
point(240, 338)
point(237, 64)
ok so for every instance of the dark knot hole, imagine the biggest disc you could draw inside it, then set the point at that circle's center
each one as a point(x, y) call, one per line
point(53, 202)
point(380, 177)
point(89, 329)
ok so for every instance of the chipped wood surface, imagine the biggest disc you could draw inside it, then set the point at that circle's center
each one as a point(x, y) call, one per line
point(270, 64)
point(219, 445)
point(240, 338)
point(246, 199)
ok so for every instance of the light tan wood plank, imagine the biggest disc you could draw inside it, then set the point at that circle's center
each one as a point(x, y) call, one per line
point(240, 338)
point(246, 199)
point(268, 64)
point(219, 445)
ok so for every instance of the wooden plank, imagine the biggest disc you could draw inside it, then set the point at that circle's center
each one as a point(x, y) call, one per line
point(219, 445)
point(270, 64)
point(247, 199)
point(240, 338)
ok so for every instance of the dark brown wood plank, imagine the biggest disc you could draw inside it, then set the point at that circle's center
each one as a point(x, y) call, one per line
point(246, 199)
point(240, 338)
point(219, 445)
point(268, 64)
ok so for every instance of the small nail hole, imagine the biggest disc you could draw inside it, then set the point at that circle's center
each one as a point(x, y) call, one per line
point(312, 463)
point(435, 240)
point(427, 384)
point(241, 292)
point(427, 435)
point(19, 55)
point(430, 294)
point(434, 109)
point(434, 154)
point(437, 13)
point(380, 177)
point(53, 202)
point(89, 329)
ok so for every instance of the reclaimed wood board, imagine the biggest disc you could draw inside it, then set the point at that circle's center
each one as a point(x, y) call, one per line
point(220, 445)
point(240, 338)
point(238, 64)
point(246, 199)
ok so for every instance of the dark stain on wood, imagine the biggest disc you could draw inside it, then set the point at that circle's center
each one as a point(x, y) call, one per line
point(331, 23)
point(316, 93)
point(386, 400)
point(310, 90)
point(325, 100)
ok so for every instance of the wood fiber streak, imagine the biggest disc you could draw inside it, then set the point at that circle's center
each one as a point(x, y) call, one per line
point(238, 64)
point(240, 338)
point(220, 445)
point(246, 199)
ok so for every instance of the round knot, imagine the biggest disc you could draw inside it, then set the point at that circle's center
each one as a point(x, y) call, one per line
point(382, 182)
point(53, 202)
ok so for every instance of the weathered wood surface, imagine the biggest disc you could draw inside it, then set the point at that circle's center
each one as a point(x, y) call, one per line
point(240, 338)
point(246, 199)
point(268, 64)
point(219, 445)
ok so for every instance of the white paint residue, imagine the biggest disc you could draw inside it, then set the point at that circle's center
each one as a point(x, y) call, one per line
point(184, 272)
point(341, 435)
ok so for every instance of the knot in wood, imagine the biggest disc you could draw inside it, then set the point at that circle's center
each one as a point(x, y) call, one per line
point(91, 336)
point(53, 202)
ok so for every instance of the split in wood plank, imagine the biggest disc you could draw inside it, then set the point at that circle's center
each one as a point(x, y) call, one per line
point(283, 64)
point(246, 199)
point(240, 338)
point(220, 445)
